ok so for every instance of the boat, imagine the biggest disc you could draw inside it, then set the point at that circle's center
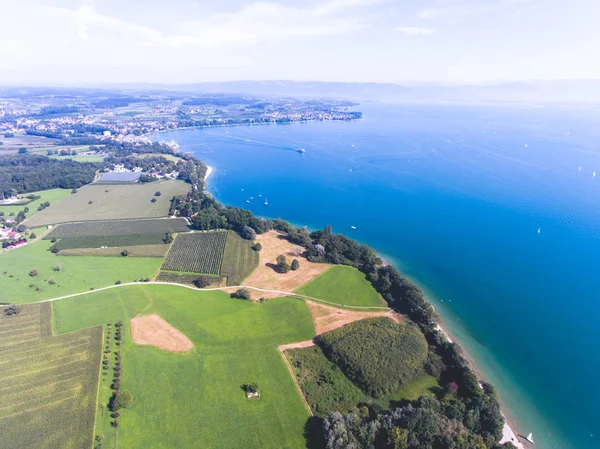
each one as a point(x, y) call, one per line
point(247, 201)
point(260, 196)
point(530, 438)
point(266, 202)
point(579, 169)
point(594, 174)
point(539, 230)
point(301, 150)
point(352, 227)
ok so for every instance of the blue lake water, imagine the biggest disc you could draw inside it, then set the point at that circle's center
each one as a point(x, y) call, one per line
point(454, 197)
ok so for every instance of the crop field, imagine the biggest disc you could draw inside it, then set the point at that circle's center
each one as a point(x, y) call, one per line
point(327, 389)
point(111, 241)
point(112, 202)
point(132, 251)
point(122, 233)
point(344, 286)
point(239, 260)
point(74, 275)
point(182, 399)
point(198, 252)
point(49, 383)
point(52, 196)
point(117, 228)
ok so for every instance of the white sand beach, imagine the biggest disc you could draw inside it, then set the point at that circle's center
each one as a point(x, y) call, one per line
point(208, 173)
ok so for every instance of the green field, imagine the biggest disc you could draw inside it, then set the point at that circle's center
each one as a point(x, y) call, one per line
point(239, 259)
point(110, 202)
point(84, 158)
point(77, 274)
point(52, 196)
point(183, 400)
point(49, 384)
point(132, 251)
point(344, 286)
point(111, 241)
point(328, 390)
point(119, 228)
point(197, 252)
point(170, 157)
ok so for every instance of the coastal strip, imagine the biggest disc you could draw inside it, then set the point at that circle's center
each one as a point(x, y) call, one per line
point(209, 171)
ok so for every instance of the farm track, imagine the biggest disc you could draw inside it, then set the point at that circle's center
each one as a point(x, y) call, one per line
point(229, 288)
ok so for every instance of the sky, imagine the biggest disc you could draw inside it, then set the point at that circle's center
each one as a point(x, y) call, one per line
point(90, 42)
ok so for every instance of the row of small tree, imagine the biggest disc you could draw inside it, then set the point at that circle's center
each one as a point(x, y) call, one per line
point(283, 266)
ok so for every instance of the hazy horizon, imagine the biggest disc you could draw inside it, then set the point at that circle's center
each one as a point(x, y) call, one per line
point(465, 42)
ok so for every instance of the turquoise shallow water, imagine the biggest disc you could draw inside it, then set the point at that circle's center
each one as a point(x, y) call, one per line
point(454, 196)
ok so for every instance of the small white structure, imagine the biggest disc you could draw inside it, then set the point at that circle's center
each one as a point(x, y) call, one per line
point(252, 394)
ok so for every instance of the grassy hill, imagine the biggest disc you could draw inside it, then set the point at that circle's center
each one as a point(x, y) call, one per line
point(344, 286)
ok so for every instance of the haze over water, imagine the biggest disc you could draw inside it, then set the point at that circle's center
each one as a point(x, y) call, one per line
point(454, 197)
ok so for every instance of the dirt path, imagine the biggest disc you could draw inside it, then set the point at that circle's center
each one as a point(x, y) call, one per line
point(327, 318)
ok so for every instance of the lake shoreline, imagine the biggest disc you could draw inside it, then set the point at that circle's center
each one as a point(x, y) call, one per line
point(510, 430)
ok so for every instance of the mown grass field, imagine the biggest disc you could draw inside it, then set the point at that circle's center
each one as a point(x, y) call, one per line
point(327, 389)
point(52, 196)
point(49, 383)
point(183, 400)
point(83, 158)
point(170, 157)
point(109, 202)
point(197, 252)
point(159, 250)
point(77, 274)
point(239, 259)
point(345, 286)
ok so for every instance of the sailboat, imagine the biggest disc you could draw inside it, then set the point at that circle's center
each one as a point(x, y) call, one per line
point(539, 230)
point(266, 201)
point(579, 169)
point(530, 438)
point(594, 174)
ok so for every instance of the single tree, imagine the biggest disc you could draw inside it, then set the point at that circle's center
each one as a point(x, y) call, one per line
point(32, 235)
point(248, 233)
point(124, 253)
point(257, 246)
point(295, 265)
point(242, 293)
point(157, 193)
point(202, 281)
point(33, 272)
point(283, 264)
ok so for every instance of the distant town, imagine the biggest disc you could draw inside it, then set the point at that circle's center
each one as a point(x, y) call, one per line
point(34, 118)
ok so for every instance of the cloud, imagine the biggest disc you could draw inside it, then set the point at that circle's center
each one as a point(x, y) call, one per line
point(415, 31)
point(253, 23)
point(455, 11)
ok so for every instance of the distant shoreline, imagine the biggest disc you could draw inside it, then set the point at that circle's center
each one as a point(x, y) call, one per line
point(209, 171)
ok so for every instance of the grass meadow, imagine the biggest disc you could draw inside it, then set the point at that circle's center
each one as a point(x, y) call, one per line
point(110, 202)
point(182, 400)
point(239, 259)
point(49, 383)
point(327, 389)
point(77, 274)
point(52, 196)
point(345, 286)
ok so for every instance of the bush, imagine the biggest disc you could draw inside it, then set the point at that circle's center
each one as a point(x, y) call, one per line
point(282, 264)
point(377, 354)
point(157, 193)
point(57, 267)
point(124, 253)
point(202, 281)
point(257, 246)
point(295, 265)
point(32, 235)
point(51, 281)
point(118, 283)
point(33, 272)
point(153, 200)
point(12, 310)
point(120, 400)
point(248, 233)
point(242, 293)
point(73, 191)
point(54, 249)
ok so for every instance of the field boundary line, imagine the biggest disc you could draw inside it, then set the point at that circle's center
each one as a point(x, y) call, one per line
point(294, 379)
point(283, 293)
